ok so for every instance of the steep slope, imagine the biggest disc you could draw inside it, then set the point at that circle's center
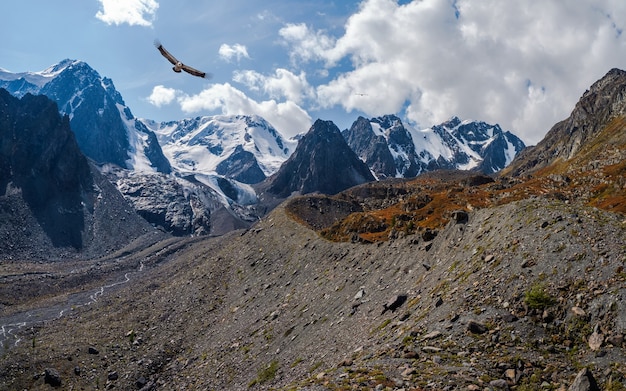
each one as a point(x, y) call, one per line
point(392, 150)
point(105, 129)
point(600, 106)
point(323, 162)
point(48, 189)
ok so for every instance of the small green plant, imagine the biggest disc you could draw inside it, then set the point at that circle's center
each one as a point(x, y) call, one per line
point(408, 340)
point(316, 366)
point(265, 374)
point(296, 362)
point(131, 336)
point(538, 298)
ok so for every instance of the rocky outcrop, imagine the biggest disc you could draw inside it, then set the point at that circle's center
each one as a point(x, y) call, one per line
point(164, 202)
point(241, 166)
point(40, 160)
point(371, 148)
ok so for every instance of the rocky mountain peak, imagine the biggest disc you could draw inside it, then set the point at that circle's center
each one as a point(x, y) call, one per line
point(388, 121)
point(453, 122)
point(322, 162)
point(392, 149)
point(105, 128)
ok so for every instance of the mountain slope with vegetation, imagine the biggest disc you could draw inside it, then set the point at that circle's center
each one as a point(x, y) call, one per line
point(449, 281)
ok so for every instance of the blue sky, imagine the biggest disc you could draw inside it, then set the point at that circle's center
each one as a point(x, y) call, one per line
point(522, 64)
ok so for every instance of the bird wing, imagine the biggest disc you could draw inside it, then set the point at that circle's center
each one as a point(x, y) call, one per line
point(196, 72)
point(165, 53)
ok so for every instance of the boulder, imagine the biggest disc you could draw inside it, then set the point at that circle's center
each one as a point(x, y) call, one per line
point(476, 328)
point(460, 216)
point(52, 377)
point(394, 303)
point(584, 382)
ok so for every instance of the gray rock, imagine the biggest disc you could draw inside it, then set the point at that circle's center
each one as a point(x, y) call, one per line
point(52, 377)
point(584, 382)
point(615, 340)
point(499, 384)
point(359, 295)
point(394, 303)
point(432, 335)
point(510, 318)
point(476, 328)
point(596, 339)
point(578, 311)
point(141, 382)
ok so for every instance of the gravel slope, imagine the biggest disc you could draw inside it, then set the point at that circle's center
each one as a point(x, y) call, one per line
point(278, 307)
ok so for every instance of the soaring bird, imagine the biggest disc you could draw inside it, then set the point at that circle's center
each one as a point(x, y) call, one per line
point(178, 66)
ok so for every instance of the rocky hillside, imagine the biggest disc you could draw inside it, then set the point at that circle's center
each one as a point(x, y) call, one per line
point(522, 295)
point(604, 104)
point(450, 281)
point(582, 159)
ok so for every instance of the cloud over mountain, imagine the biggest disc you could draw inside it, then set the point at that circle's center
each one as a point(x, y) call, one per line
point(492, 60)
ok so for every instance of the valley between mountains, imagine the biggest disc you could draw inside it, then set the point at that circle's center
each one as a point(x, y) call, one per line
point(447, 280)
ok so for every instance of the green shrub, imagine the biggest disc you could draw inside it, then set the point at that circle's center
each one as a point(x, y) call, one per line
point(266, 374)
point(538, 298)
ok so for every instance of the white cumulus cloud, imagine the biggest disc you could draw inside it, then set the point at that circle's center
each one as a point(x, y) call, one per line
point(522, 64)
point(282, 84)
point(132, 12)
point(287, 117)
point(161, 96)
point(238, 51)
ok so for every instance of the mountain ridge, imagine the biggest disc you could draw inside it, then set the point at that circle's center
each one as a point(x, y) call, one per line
point(222, 155)
point(104, 126)
point(392, 150)
point(565, 138)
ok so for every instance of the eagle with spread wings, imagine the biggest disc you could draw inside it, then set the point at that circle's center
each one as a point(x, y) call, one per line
point(179, 66)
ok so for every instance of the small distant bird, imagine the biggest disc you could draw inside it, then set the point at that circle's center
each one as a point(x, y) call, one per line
point(178, 66)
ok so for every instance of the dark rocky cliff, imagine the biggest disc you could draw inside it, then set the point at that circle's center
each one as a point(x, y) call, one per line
point(49, 189)
point(40, 158)
point(323, 162)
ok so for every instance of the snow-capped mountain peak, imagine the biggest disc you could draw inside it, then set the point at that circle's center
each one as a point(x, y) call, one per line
point(392, 149)
point(104, 126)
point(205, 144)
